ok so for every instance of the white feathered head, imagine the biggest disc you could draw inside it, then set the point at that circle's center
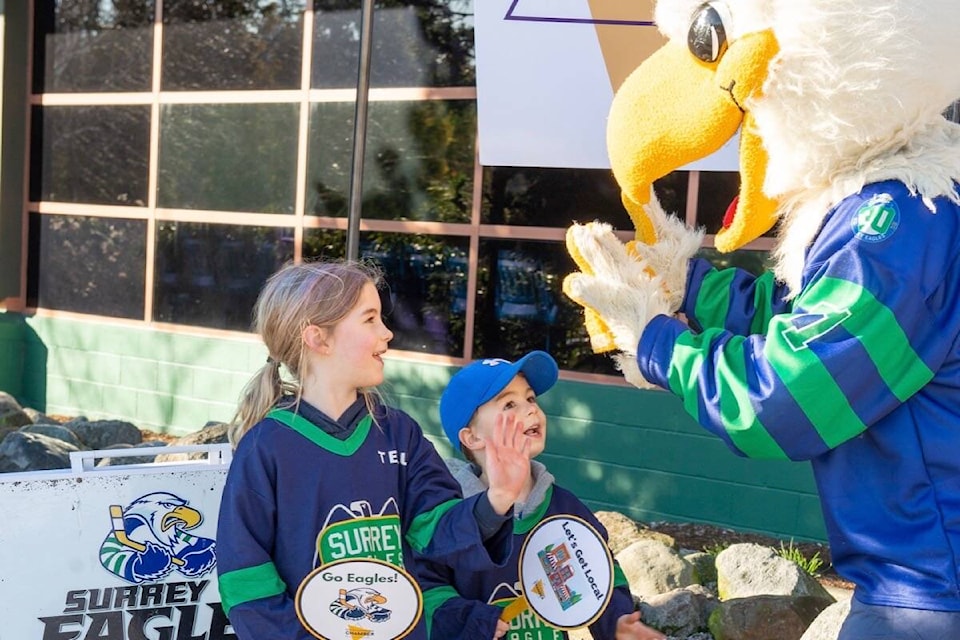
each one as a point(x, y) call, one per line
point(828, 95)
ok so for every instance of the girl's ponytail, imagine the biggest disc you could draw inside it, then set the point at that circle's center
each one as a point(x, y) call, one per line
point(259, 395)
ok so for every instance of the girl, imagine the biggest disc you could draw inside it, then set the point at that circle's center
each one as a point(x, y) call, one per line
point(323, 470)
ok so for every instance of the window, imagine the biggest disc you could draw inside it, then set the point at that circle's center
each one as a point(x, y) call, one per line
point(182, 150)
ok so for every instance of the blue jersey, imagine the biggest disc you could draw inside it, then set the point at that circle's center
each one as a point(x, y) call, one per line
point(296, 498)
point(860, 374)
point(466, 606)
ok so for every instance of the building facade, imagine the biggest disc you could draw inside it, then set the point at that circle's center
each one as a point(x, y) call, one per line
point(160, 158)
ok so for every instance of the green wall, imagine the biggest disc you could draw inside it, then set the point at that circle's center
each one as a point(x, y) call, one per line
point(616, 447)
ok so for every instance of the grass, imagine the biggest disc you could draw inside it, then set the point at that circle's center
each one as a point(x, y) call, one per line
point(811, 565)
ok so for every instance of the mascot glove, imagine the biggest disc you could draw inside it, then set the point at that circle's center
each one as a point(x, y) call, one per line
point(670, 255)
point(620, 291)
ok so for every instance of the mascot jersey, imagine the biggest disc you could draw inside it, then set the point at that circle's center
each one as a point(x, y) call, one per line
point(465, 606)
point(297, 497)
point(860, 374)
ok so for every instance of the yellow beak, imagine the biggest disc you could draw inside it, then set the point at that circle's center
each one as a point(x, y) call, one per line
point(675, 109)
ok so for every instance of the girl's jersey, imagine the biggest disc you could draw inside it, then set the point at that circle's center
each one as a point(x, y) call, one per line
point(296, 498)
point(860, 374)
point(465, 606)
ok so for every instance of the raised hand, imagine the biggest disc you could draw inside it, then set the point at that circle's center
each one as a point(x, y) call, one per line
point(622, 290)
point(507, 462)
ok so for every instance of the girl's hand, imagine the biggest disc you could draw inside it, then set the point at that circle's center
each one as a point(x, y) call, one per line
point(629, 627)
point(507, 463)
point(502, 628)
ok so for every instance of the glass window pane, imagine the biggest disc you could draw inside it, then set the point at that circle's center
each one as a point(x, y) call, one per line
point(418, 160)
point(211, 45)
point(425, 302)
point(83, 46)
point(415, 44)
point(336, 44)
point(87, 265)
point(329, 158)
point(557, 197)
point(92, 155)
point(228, 157)
point(210, 275)
point(520, 306)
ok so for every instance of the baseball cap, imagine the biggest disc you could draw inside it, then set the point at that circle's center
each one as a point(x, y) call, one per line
point(481, 380)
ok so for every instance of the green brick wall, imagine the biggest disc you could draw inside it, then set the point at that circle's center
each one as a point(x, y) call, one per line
point(616, 447)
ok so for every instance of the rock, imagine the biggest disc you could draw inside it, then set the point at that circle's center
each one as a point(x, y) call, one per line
point(652, 568)
point(55, 431)
point(681, 612)
point(12, 415)
point(745, 570)
point(104, 434)
point(24, 451)
point(624, 531)
point(827, 625)
point(764, 617)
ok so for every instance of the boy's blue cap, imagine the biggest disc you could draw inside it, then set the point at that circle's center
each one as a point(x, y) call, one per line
point(481, 380)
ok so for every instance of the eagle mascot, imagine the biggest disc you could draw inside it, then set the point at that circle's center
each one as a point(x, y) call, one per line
point(847, 353)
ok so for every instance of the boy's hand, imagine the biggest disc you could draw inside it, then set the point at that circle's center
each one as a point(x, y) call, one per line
point(629, 627)
point(507, 463)
point(502, 628)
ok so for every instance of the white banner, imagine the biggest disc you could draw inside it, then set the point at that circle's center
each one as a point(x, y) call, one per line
point(546, 74)
point(118, 552)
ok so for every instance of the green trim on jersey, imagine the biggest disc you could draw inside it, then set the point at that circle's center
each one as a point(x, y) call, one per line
point(619, 577)
point(713, 300)
point(421, 529)
point(321, 438)
point(433, 599)
point(246, 585)
point(523, 525)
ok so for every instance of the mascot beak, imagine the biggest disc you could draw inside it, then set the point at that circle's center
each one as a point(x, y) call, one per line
point(678, 107)
point(187, 517)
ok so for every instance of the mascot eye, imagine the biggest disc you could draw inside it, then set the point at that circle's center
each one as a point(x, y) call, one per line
point(707, 38)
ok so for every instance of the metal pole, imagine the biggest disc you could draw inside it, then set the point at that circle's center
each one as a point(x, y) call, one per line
point(360, 131)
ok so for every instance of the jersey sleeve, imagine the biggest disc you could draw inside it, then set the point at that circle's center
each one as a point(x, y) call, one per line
point(438, 522)
point(448, 615)
point(253, 595)
point(861, 338)
point(731, 299)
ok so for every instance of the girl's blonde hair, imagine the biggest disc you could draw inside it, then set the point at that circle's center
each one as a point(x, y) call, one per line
point(297, 296)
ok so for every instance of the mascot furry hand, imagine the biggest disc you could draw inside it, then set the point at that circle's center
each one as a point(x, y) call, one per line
point(848, 353)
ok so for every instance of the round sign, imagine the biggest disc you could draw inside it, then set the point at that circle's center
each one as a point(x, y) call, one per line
point(359, 599)
point(567, 572)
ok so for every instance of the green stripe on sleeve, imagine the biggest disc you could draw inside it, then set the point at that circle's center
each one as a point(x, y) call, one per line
point(421, 529)
point(246, 585)
point(433, 599)
point(739, 420)
point(713, 300)
point(847, 304)
point(903, 371)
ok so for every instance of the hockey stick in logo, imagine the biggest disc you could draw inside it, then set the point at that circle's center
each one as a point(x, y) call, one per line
point(120, 533)
point(514, 609)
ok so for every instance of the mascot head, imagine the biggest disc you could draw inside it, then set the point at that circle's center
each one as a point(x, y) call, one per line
point(827, 95)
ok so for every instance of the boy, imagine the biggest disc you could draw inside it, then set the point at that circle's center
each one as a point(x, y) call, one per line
point(460, 605)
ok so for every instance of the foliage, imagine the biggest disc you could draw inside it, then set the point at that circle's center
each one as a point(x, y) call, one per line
point(793, 554)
